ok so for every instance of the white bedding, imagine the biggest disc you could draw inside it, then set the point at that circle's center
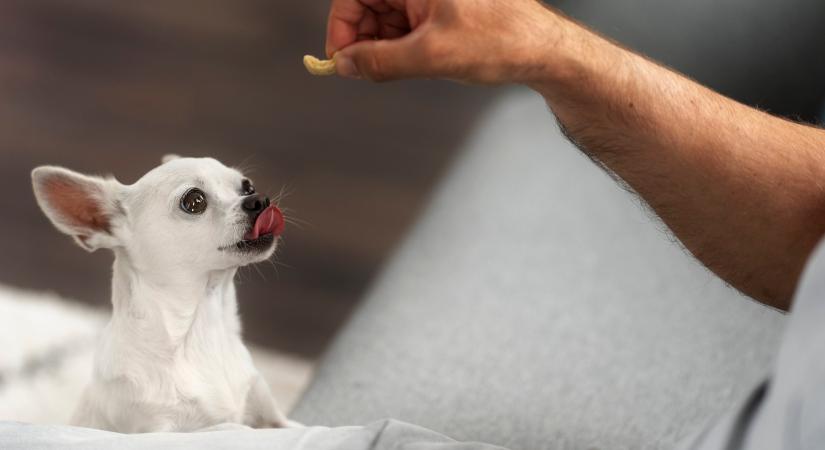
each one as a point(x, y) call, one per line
point(47, 347)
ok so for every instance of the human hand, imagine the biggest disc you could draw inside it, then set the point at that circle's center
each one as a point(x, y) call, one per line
point(474, 41)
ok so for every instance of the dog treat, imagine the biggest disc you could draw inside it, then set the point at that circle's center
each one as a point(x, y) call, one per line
point(319, 67)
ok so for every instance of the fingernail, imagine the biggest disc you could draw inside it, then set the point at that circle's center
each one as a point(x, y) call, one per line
point(346, 67)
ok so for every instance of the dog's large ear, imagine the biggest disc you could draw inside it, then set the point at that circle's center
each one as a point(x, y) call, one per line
point(81, 206)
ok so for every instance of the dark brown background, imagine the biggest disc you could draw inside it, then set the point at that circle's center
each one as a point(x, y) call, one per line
point(109, 87)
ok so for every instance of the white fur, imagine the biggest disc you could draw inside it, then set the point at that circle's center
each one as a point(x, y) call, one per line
point(171, 358)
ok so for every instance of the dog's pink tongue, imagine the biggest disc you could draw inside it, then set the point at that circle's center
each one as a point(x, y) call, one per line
point(269, 221)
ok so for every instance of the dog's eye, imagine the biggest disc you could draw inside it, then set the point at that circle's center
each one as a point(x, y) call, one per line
point(247, 188)
point(194, 201)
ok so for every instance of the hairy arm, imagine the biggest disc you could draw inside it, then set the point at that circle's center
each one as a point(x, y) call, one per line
point(744, 191)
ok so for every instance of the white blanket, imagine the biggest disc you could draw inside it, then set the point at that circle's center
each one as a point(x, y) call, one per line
point(381, 435)
point(47, 353)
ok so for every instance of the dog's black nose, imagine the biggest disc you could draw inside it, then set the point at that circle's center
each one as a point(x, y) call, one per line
point(255, 203)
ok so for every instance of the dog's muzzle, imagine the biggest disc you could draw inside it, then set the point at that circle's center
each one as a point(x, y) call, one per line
point(265, 217)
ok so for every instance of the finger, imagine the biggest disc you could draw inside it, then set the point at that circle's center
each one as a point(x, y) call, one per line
point(386, 59)
point(394, 18)
point(398, 5)
point(369, 25)
point(346, 16)
point(378, 6)
point(392, 25)
point(342, 24)
point(391, 32)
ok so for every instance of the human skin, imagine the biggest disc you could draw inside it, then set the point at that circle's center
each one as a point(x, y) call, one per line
point(743, 191)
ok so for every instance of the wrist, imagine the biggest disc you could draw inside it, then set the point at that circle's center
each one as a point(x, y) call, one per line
point(532, 55)
point(569, 62)
point(518, 50)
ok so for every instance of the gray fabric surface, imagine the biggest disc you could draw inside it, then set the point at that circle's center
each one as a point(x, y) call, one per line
point(792, 416)
point(381, 435)
point(537, 305)
point(788, 412)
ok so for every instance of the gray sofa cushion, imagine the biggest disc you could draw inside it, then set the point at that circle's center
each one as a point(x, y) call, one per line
point(538, 305)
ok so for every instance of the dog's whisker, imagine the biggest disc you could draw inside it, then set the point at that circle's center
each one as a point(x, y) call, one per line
point(274, 267)
point(288, 216)
point(283, 193)
point(275, 263)
point(246, 166)
point(261, 274)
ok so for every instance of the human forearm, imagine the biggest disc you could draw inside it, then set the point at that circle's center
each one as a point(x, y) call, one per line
point(741, 189)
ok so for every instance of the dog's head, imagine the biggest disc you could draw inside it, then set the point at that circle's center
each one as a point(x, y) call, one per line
point(187, 213)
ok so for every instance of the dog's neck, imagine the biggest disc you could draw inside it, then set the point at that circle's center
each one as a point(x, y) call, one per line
point(171, 308)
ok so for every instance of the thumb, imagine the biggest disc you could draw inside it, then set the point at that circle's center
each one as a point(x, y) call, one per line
point(383, 60)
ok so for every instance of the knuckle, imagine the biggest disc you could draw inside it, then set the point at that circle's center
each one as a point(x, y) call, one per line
point(376, 67)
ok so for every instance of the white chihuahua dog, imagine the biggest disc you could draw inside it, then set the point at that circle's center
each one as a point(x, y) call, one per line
point(171, 358)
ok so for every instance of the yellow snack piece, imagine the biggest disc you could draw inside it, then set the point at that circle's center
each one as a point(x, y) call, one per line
point(320, 67)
